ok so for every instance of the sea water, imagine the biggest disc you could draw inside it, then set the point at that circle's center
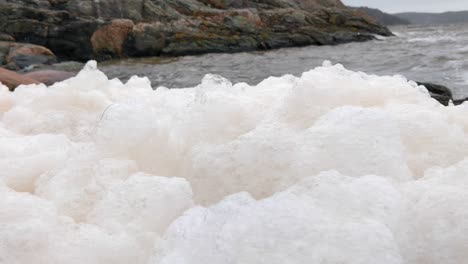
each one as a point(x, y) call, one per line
point(437, 54)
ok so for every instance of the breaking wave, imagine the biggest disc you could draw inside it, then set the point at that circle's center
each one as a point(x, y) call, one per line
point(334, 166)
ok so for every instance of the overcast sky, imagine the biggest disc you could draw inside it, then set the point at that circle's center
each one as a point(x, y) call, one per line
point(394, 6)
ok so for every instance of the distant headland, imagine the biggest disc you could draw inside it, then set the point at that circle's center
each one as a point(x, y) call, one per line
point(415, 18)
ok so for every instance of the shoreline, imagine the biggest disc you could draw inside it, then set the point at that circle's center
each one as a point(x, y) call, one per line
point(49, 77)
point(86, 30)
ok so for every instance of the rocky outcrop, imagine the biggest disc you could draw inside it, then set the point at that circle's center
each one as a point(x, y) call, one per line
point(85, 29)
point(41, 23)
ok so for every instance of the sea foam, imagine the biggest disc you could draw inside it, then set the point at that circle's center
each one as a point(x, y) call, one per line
point(334, 166)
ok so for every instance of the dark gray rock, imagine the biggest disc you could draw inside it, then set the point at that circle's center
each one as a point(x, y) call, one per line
point(460, 101)
point(438, 92)
point(6, 37)
point(72, 41)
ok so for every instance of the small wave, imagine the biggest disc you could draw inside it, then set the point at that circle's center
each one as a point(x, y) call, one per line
point(433, 39)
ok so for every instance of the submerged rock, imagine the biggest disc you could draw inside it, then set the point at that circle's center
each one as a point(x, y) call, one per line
point(85, 29)
point(12, 79)
point(68, 66)
point(49, 77)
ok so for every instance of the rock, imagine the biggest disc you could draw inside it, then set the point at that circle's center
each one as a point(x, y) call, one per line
point(57, 2)
point(438, 92)
point(49, 77)
point(66, 35)
point(460, 101)
point(90, 29)
point(107, 9)
point(145, 40)
point(28, 23)
point(32, 3)
point(12, 79)
point(21, 55)
point(28, 49)
point(111, 38)
point(4, 51)
point(442, 93)
point(72, 40)
point(6, 37)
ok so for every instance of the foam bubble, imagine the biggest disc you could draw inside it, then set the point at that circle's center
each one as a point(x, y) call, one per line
point(333, 166)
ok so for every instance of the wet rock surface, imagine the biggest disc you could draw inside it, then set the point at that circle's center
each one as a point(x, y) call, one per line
point(17, 56)
point(86, 29)
point(49, 77)
point(440, 93)
point(12, 79)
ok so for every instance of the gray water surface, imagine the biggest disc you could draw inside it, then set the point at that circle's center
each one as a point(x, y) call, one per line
point(436, 54)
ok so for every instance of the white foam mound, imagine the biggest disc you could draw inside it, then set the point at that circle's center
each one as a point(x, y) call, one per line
point(332, 167)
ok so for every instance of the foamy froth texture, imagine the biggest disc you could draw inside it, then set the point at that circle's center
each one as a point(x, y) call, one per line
point(331, 167)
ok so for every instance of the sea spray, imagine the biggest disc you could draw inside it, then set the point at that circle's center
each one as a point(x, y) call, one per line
point(334, 166)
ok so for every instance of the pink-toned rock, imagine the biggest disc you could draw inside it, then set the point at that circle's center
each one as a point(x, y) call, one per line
point(21, 55)
point(27, 50)
point(49, 77)
point(110, 38)
point(12, 79)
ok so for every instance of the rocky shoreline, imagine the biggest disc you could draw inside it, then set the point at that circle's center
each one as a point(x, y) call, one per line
point(86, 29)
point(35, 35)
